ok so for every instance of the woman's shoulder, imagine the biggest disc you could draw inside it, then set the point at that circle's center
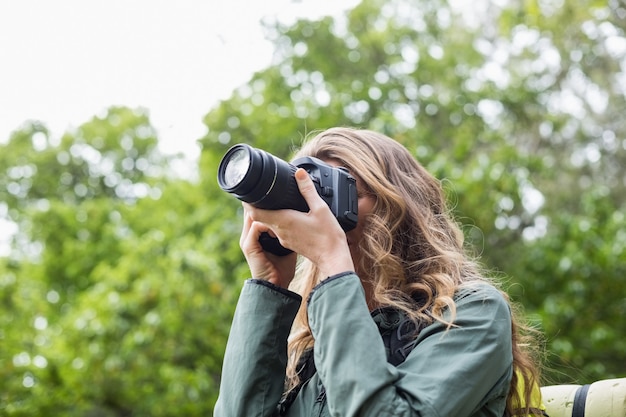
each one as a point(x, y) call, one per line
point(479, 307)
point(480, 292)
point(478, 289)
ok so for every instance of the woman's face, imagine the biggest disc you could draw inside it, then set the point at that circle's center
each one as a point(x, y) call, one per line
point(365, 205)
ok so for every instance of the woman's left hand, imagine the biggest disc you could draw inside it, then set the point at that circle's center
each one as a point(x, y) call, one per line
point(315, 235)
point(279, 270)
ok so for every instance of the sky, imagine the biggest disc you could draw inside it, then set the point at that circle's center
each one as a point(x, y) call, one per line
point(65, 61)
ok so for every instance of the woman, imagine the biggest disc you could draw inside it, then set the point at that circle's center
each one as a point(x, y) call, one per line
point(400, 282)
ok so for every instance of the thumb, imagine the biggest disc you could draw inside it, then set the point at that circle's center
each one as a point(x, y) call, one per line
point(307, 188)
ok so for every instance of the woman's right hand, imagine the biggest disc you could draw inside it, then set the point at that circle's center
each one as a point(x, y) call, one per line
point(279, 270)
point(316, 235)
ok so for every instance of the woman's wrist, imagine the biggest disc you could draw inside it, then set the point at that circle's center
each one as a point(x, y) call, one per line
point(336, 264)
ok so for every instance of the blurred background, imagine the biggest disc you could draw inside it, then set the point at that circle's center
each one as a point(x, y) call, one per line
point(119, 257)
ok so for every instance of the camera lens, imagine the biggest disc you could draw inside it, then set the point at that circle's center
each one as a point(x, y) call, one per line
point(259, 178)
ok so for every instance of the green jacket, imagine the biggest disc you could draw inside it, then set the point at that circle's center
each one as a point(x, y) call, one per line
point(461, 371)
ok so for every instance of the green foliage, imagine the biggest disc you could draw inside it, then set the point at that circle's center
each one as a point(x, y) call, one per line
point(115, 298)
point(120, 286)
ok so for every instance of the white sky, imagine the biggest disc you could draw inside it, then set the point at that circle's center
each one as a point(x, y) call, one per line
point(64, 61)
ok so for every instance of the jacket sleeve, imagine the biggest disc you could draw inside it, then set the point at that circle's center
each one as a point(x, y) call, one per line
point(451, 372)
point(253, 373)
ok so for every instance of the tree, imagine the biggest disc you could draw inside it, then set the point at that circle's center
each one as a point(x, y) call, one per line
point(114, 300)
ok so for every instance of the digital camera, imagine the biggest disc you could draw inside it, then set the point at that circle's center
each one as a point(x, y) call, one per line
point(267, 182)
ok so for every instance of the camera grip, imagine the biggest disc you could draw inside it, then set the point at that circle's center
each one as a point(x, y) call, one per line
point(272, 245)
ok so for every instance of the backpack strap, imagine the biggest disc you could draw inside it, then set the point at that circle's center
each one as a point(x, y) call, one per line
point(399, 333)
point(402, 341)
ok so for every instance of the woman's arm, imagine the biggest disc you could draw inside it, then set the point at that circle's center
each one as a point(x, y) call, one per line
point(253, 373)
point(451, 372)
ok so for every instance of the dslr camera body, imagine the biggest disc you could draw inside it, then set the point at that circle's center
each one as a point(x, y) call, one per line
point(267, 182)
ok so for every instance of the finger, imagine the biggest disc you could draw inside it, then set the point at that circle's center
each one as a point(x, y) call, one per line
point(271, 219)
point(252, 227)
point(247, 223)
point(251, 242)
point(307, 189)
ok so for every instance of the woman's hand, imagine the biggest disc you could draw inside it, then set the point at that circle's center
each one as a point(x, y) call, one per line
point(279, 270)
point(315, 235)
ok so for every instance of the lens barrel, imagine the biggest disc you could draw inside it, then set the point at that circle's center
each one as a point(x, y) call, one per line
point(259, 178)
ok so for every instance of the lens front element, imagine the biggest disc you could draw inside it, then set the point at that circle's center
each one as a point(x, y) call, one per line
point(259, 178)
point(236, 167)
